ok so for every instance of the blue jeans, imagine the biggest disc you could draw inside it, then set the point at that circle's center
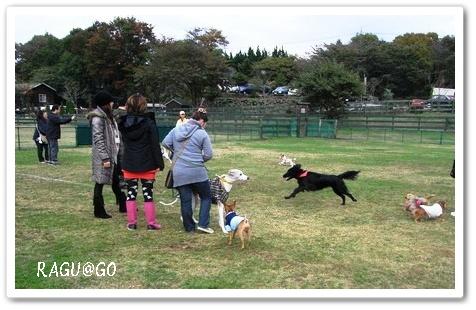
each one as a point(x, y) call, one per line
point(53, 149)
point(186, 195)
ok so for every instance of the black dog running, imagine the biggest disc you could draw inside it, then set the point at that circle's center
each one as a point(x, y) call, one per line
point(312, 181)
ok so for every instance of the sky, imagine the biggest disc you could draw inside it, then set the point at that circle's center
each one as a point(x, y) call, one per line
point(297, 30)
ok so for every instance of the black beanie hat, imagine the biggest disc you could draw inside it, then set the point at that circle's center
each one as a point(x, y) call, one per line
point(102, 98)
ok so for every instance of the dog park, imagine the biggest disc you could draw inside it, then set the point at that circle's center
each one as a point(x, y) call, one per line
point(310, 241)
point(326, 158)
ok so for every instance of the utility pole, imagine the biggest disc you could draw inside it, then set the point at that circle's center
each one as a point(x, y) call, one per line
point(365, 85)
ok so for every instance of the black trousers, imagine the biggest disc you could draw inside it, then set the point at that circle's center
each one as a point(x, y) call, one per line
point(98, 199)
point(40, 147)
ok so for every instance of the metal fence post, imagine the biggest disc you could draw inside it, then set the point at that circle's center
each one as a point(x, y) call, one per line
point(260, 129)
point(18, 137)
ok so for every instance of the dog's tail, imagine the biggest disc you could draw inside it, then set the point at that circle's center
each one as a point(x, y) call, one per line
point(349, 175)
point(247, 228)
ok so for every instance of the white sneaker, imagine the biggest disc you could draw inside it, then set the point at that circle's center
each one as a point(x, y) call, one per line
point(194, 219)
point(207, 230)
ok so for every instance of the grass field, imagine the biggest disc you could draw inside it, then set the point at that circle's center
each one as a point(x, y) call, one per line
point(306, 242)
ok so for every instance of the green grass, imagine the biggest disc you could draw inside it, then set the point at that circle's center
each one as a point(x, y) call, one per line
point(306, 242)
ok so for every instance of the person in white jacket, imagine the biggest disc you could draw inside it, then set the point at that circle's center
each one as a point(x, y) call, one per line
point(182, 119)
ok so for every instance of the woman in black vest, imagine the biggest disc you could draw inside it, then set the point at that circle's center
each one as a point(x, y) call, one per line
point(40, 129)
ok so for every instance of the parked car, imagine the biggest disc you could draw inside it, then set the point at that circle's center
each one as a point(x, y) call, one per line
point(417, 104)
point(248, 89)
point(294, 92)
point(281, 90)
point(440, 101)
point(235, 89)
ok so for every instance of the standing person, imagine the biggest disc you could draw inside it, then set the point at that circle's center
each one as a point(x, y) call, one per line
point(53, 132)
point(105, 147)
point(142, 159)
point(182, 119)
point(192, 148)
point(40, 129)
point(452, 172)
point(118, 113)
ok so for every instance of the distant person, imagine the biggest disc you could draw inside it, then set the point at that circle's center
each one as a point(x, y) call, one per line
point(182, 119)
point(142, 159)
point(53, 133)
point(39, 136)
point(118, 112)
point(105, 148)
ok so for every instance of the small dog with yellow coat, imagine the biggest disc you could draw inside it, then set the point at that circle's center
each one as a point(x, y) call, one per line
point(236, 225)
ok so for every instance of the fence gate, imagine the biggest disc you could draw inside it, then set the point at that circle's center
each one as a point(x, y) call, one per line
point(323, 128)
point(83, 133)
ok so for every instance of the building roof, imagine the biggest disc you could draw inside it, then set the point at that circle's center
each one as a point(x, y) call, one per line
point(179, 101)
point(25, 87)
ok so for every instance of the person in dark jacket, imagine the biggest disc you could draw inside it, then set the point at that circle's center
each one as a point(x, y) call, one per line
point(53, 133)
point(118, 113)
point(41, 128)
point(141, 160)
point(105, 148)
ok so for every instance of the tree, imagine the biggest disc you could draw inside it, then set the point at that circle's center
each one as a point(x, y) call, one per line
point(444, 64)
point(279, 71)
point(409, 66)
point(326, 84)
point(210, 38)
point(41, 51)
point(73, 92)
point(114, 51)
point(182, 68)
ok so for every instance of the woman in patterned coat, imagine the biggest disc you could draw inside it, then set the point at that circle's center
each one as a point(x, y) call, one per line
point(105, 147)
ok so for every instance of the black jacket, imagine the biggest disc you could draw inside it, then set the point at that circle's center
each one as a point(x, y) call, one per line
point(54, 121)
point(42, 125)
point(141, 143)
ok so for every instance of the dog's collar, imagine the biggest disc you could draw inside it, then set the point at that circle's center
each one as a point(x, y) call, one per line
point(226, 185)
point(303, 174)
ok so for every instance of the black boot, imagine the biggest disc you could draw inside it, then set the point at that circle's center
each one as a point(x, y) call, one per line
point(100, 212)
point(98, 202)
point(122, 203)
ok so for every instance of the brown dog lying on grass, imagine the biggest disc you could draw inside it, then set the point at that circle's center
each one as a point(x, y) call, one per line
point(428, 212)
point(412, 201)
point(235, 224)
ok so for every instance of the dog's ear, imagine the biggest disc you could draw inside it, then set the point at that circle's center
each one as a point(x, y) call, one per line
point(297, 166)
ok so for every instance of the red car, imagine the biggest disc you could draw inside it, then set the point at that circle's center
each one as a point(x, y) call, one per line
point(417, 104)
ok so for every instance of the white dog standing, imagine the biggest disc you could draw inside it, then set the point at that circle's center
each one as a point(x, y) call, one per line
point(220, 187)
point(287, 161)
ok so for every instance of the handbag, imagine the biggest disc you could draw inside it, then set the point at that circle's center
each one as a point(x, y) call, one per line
point(169, 179)
point(41, 137)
